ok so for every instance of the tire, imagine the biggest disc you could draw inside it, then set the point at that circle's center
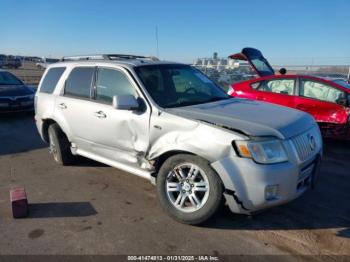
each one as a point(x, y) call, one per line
point(193, 200)
point(60, 146)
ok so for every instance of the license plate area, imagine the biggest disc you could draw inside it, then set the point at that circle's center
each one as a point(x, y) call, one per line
point(308, 175)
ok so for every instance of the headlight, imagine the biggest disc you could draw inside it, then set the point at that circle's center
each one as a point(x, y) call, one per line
point(264, 152)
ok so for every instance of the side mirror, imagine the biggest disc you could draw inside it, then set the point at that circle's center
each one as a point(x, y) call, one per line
point(125, 102)
point(283, 71)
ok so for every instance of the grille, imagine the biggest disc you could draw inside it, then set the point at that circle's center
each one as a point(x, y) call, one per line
point(302, 144)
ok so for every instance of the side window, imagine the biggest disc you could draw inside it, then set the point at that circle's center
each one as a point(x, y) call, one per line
point(279, 86)
point(111, 82)
point(79, 82)
point(51, 79)
point(320, 91)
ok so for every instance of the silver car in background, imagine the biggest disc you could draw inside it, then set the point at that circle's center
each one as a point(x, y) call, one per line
point(169, 123)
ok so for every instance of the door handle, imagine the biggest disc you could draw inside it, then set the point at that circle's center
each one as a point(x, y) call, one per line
point(62, 106)
point(100, 114)
point(260, 98)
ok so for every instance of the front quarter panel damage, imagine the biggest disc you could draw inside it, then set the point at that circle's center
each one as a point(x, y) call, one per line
point(173, 133)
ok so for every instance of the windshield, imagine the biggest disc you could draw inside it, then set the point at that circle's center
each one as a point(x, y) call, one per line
point(178, 85)
point(342, 83)
point(7, 78)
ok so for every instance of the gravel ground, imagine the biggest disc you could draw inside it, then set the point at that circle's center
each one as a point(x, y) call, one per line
point(90, 208)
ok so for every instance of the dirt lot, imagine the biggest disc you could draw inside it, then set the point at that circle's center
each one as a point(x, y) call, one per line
point(90, 208)
point(29, 73)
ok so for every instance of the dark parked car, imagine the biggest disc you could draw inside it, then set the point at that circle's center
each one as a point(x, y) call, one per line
point(10, 62)
point(14, 94)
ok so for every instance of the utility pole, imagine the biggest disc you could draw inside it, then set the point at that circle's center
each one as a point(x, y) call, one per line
point(157, 45)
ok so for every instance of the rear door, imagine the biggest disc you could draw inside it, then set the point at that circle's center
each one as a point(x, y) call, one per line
point(320, 100)
point(276, 90)
point(73, 106)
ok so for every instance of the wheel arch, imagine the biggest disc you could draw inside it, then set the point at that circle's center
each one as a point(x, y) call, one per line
point(45, 128)
point(159, 160)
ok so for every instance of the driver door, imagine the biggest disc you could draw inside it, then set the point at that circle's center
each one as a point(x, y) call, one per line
point(277, 91)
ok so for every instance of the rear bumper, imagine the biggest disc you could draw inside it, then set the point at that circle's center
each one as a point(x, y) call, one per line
point(248, 184)
point(12, 107)
point(18, 109)
point(39, 125)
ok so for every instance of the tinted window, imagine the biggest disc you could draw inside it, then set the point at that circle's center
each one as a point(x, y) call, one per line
point(320, 91)
point(79, 82)
point(279, 86)
point(7, 78)
point(111, 83)
point(51, 79)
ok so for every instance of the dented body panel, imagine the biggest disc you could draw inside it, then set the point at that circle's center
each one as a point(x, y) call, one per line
point(135, 140)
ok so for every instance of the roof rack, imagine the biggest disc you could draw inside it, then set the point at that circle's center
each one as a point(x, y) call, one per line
point(108, 57)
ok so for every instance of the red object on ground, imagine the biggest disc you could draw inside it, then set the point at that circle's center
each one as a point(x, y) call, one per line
point(19, 202)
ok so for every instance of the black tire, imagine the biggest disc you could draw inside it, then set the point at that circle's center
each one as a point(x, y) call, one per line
point(213, 200)
point(61, 151)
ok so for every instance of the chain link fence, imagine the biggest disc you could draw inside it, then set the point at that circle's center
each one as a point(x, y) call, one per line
point(226, 72)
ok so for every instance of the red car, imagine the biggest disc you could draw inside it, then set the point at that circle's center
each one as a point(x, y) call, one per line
point(327, 101)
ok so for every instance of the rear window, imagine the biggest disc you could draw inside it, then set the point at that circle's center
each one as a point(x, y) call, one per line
point(51, 79)
point(79, 82)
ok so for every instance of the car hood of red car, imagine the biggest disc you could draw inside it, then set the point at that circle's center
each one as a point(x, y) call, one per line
point(250, 117)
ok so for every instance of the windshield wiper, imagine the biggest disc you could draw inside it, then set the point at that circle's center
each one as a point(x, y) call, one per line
point(191, 103)
point(185, 103)
point(214, 99)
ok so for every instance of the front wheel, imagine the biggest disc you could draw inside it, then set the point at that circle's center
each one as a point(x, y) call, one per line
point(189, 189)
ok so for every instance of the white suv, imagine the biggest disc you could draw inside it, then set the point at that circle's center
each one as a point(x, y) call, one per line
point(169, 123)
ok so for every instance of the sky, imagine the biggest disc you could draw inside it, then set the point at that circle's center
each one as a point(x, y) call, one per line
point(285, 31)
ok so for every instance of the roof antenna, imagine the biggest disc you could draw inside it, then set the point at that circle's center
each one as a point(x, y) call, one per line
point(157, 45)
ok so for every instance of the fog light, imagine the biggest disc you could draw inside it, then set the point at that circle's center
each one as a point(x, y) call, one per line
point(271, 192)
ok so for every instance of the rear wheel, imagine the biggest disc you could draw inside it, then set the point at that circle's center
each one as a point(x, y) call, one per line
point(59, 145)
point(189, 189)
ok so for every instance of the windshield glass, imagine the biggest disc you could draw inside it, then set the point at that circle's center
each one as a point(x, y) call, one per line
point(7, 78)
point(178, 85)
point(262, 66)
point(342, 83)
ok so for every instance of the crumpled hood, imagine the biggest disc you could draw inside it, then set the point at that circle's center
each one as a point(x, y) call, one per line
point(15, 90)
point(250, 117)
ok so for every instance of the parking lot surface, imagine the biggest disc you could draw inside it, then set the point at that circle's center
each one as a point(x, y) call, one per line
point(90, 208)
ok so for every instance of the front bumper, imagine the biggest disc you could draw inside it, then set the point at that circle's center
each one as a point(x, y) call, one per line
point(247, 182)
point(17, 106)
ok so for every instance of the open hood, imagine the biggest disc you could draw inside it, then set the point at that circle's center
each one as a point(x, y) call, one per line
point(255, 58)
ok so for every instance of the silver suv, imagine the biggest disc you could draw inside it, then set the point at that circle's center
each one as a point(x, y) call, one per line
point(169, 123)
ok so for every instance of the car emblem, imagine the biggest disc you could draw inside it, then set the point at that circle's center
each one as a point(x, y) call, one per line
point(13, 98)
point(312, 142)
